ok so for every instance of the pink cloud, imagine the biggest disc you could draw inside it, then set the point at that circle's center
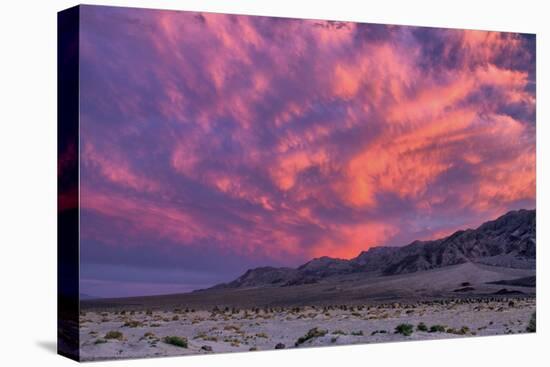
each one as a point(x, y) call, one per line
point(302, 134)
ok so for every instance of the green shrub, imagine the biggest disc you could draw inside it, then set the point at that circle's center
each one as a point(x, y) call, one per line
point(532, 326)
point(437, 329)
point(421, 327)
point(176, 340)
point(405, 329)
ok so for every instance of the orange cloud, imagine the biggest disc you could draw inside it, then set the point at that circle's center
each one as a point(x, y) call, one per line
point(332, 34)
point(348, 241)
point(347, 81)
point(306, 138)
point(290, 165)
point(431, 101)
point(402, 162)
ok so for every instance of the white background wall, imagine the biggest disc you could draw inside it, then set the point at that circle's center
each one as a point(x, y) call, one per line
point(28, 182)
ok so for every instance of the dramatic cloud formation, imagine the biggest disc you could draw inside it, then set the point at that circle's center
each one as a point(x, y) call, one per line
point(212, 143)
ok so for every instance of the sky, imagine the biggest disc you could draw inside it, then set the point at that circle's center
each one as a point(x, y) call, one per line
point(211, 143)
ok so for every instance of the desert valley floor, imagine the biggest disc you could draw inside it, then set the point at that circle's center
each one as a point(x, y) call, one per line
point(132, 334)
point(218, 321)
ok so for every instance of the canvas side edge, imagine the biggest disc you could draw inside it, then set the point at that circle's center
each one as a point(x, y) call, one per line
point(68, 183)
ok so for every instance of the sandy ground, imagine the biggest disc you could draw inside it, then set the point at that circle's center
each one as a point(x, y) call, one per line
point(142, 333)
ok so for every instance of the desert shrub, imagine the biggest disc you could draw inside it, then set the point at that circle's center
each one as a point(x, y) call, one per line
point(333, 339)
point(437, 329)
point(133, 323)
point(261, 335)
point(462, 331)
point(357, 333)
point(339, 332)
point(175, 318)
point(232, 328)
point(532, 326)
point(378, 332)
point(114, 335)
point(280, 346)
point(100, 341)
point(405, 329)
point(200, 335)
point(421, 327)
point(176, 340)
point(312, 333)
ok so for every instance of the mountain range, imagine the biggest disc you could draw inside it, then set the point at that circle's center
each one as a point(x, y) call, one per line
point(506, 242)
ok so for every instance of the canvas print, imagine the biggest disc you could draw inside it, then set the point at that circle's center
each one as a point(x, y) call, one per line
point(233, 183)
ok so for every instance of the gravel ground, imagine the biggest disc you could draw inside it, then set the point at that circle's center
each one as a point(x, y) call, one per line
point(137, 334)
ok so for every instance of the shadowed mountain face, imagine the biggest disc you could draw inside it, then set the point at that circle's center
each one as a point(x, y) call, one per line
point(508, 241)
